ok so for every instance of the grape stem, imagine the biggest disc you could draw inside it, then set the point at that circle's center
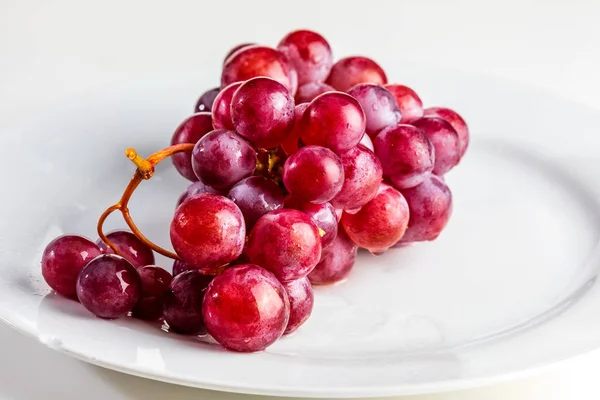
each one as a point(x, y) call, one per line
point(145, 171)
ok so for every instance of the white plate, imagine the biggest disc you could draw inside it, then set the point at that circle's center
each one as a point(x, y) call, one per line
point(508, 287)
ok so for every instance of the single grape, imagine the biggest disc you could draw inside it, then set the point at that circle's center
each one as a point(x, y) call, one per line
point(155, 283)
point(245, 308)
point(309, 53)
point(109, 286)
point(351, 71)
point(301, 297)
point(336, 261)
point(334, 120)
point(430, 205)
point(63, 259)
point(457, 122)
point(130, 247)
point(380, 223)
point(252, 61)
point(308, 91)
point(445, 141)
point(182, 305)
point(195, 188)
point(205, 102)
point(262, 111)
point(222, 158)
point(367, 142)
point(291, 144)
point(406, 154)
point(208, 231)
point(408, 101)
point(190, 131)
point(286, 242)
point(256, 196)
point(235, 49)
point(314, 174)
point(179, 267)
point(362, 176)
point(379, 105)
point(323, 215)
point(221, 111)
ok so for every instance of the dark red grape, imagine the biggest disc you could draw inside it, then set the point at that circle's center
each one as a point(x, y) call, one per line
point(130, 247)
point(430, 206)
point(445, 141)
point(406, 155)
point(182, 308)
point(256, 196)
point(155, 283)
point(457, 122)
point(221, 111)
point(309, 53)
point(286, 242)
point(323, 215)
point(205, 102)
point(222, 158)
point(379, 105)
point(300, 295)
point(380, 223)
point(408, 101)
point(314, 174)
point(336, 261)
point(307, 92)
point(334, 120)
point(179, 267)
point(291, 143)
point(208, 231)
point(362, 176)
point(195, 188)
point(235, 49)
point(190, 131)
point(351, 71)
point(63, 259)
point(109, 286)
point(245, 308)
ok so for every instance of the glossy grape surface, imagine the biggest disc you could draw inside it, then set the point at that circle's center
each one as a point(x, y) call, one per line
point(301, 297)
point(323, 215)
point(308, 91)
point(182, 309)
point(206, 100)
point(309, 53)
point(221, 111)
point(445, 141)
point(291, 144)
point(155, 283)
point(379, 105)
point(336, 261)
point(190, 131)
point(457, 122)
point(408, 101)
point(351, 71)
point(255, 196)
point(130, 247)
point(253, 61)
point(195, 188)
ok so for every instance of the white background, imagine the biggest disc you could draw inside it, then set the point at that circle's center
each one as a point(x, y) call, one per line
point(51, 50)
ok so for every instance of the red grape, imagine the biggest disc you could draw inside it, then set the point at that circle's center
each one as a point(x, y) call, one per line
point(362, 176)
point(205, 102)
point(314, 174)
point(262, 111)
point(155, 282)
point(309, 53)
point(430, 206)
point(445, 141)
point(408, 101)
point(323, 215)
point(235, 49)
point(190, 131)
point(334, 120)
point(290, 144)
point(109, 286)
point(208, 231)
point(195, 188)
point(286, 242)
point(252, 61)
point(406, 155)
point(380, 223)
point(256, 196)
point(336, 261)
point(351, 71)
point(379, 105)
point(179, 267)
point(222, 158)
point(457, 122)
point(63, 259)
point(221, 111)
point(308, 91)
point(300, 295)
point(130, 247)
point(245, 308)
point(182, 309)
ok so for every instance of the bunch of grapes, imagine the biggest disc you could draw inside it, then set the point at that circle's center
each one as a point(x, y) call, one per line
point(295, 163)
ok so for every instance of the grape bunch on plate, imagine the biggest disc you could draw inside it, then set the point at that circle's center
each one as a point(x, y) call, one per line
point(295, 162)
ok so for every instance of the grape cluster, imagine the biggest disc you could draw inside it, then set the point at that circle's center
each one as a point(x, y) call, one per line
point(297, 162)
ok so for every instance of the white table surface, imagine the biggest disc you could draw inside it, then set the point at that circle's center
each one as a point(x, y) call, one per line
point(51, 50)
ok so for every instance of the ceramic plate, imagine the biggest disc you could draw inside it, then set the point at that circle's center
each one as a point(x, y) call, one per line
point(508, 287)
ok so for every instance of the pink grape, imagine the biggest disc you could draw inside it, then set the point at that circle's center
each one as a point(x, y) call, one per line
point(221, 111)
point(406, 154)
point(222, 158)
point(336, 261)
point(190, 131)
point(314, 174)
point(308, 91)
point(256, 196)
point(445, 141)
point(63, 259)
point(245, 308)
point(206, 100)
point(252, 61)
point(155, 283)
point(130, 247)
point(262, 111)
point(380, 223)
point(379, 105)
point(235, 50)
point(195, 188)
point(334, 120)
point(182, 309)
point(286, 242)
point(323, 215)
point(457, 122)
point(351, 71)
point(309, 53)
point(291, 144)
point(301, 297)
point(408, 101)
